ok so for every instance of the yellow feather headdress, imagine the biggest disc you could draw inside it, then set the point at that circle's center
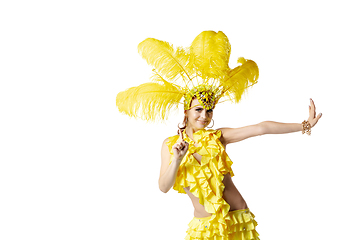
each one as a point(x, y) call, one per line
point(199, 71)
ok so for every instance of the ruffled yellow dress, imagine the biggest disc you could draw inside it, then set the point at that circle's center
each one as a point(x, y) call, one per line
point(205, 182)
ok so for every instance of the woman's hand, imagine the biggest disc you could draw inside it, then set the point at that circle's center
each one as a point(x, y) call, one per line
point(313, 119)
point(180, 148)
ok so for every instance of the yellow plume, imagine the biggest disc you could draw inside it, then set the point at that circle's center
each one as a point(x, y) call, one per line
point(170, 63)
point(210, 52)
point(150, 101)
point(239, 79)
point(201, 71)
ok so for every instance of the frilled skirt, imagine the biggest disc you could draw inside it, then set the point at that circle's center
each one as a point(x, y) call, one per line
point(241, 226)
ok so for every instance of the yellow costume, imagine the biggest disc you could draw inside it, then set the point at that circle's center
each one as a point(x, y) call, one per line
point(205, 182)
point(180, 75)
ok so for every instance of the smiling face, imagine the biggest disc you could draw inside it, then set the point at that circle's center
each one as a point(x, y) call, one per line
point(198, 117)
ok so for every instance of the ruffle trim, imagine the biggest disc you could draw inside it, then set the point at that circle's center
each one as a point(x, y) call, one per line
point(205, 178)
point(240, 226)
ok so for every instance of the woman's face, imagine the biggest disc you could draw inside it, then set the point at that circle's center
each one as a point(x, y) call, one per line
point(198, 117)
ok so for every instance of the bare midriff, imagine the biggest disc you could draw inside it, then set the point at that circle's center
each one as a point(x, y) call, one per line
point(230, 194)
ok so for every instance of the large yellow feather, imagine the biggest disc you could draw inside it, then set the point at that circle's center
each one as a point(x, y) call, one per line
point(210, 52)
point(150, 101)
point(239, 79)
point(169, 62)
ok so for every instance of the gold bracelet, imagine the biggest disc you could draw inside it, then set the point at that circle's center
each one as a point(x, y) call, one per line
point(306, 127)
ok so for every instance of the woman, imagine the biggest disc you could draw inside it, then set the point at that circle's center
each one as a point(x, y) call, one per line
point(197, 118)
point(195, 161)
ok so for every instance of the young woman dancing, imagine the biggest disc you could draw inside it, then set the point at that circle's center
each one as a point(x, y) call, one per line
point(195, 161)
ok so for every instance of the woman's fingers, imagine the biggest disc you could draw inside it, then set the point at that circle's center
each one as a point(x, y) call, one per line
point(181, 135)
point(312, 109)
point(186, 145)
point(317, 118)
point(313, 119)
point(180, 149)
point(181, 145)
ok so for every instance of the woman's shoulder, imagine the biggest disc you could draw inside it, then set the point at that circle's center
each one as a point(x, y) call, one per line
point(172, 138)
point(170, 141)
point(219, 134)
point(216, 132)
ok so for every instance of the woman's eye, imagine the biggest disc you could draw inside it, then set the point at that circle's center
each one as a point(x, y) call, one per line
point(199, 109)
point(209, 111)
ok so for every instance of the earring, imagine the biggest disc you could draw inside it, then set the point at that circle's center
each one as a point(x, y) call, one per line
point(213, 123)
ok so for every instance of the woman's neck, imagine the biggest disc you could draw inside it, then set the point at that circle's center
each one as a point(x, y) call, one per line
point(190, 131)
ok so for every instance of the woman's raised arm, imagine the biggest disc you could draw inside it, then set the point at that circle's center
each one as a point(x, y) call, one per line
point(168, 172)
point(231, 135)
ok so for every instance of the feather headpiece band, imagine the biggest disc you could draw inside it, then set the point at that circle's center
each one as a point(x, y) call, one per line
point(199, 71)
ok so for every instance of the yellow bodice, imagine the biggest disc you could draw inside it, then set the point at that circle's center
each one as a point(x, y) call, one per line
point(205, 178)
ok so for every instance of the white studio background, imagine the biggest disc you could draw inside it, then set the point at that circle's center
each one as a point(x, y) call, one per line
point(73, 167)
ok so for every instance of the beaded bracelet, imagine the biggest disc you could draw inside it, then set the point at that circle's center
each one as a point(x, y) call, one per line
point(306, 127)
